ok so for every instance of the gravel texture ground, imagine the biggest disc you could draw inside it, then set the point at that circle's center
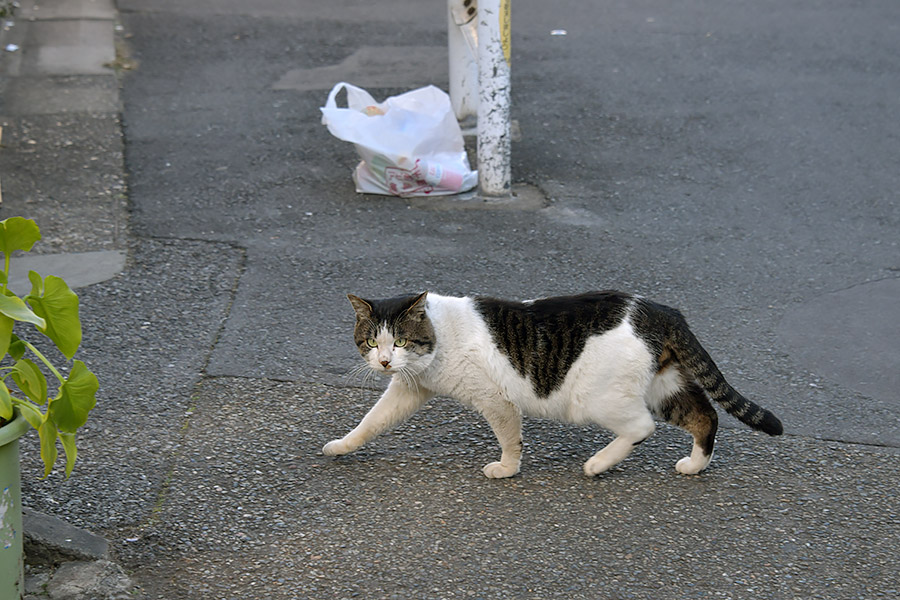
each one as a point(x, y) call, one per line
point(411, 516)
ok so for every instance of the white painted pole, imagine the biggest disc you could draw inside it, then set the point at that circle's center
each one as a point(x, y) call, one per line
point(494, 173)
point(462, 44)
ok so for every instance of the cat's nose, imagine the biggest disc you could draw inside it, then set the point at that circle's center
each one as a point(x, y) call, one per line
point(386, 364)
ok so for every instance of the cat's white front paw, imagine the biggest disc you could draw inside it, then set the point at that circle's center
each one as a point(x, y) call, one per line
point(595, 466)
point(336, 448)
point(497, 470)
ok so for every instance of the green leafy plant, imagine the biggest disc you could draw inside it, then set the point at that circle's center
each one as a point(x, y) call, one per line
point(52, 309)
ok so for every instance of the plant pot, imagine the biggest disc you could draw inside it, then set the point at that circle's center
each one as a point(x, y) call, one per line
point(12, 576)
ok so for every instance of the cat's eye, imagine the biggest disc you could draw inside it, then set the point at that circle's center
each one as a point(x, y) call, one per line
point(400, 342)
point(372, 343)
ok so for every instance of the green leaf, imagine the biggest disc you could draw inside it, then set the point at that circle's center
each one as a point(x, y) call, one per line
point(30, 380)
point(14, 308)
point(69, 410)
point(68, 443)
point(6, 334)
point(16, 347)
point(17, 233)
point(34, 417)
point(6, 407)
point(37, 284)
point(58, 306)
point(48, 434)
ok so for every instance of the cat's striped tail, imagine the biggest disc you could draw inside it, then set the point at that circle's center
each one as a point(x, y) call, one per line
point(697, 363)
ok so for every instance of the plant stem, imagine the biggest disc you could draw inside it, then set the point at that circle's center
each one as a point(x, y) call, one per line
point(45, 361)
point(5, 271)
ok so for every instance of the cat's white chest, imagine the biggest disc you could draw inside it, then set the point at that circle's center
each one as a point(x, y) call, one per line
point(465, 366)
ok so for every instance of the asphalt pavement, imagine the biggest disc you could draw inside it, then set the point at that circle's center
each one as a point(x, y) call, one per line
point(737, 160)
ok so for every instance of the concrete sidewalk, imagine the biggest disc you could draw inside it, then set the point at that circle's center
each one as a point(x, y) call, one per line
point(62, 165)
point(734, 161)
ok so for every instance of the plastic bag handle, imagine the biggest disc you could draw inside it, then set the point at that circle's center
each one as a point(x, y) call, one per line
point(332, 96)
point(343, 85)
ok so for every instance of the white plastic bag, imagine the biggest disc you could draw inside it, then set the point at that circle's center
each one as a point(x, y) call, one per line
point(410, 144)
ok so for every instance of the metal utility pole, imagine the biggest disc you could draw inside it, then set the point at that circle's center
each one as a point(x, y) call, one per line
point(491, 37)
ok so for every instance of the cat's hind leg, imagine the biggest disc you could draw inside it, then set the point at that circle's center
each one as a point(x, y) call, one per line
point(629, 433)
point(691, 410)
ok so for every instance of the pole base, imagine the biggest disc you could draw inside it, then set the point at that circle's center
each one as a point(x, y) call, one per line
point(522, 196)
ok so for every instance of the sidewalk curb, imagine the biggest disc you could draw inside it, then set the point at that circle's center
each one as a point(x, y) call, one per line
point(50, 540)
point(64, 562)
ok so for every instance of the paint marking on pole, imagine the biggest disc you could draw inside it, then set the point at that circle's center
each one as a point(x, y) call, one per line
point(504, 30)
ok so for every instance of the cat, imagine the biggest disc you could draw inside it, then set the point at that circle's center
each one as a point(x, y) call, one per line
point(606, 358)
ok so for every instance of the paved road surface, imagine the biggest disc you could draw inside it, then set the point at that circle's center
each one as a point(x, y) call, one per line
point(737, 160)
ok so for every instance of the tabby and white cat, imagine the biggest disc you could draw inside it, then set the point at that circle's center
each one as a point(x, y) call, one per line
point(607, 358)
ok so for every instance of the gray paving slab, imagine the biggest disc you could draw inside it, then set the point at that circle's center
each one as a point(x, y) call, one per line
point(66, 94)
point(70, 10)
point(374, 66)
point(78, 268)
point(63, 38)
point(853, 336)
point(70, 47)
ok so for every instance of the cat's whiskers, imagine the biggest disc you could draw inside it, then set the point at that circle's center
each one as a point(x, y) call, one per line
point(366, 372)
point(410, 377)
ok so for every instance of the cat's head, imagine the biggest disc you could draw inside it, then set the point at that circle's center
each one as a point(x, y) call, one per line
point(394, 335)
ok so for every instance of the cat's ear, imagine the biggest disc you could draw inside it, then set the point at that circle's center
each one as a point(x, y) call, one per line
point(363, 309)
point(417, 308)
